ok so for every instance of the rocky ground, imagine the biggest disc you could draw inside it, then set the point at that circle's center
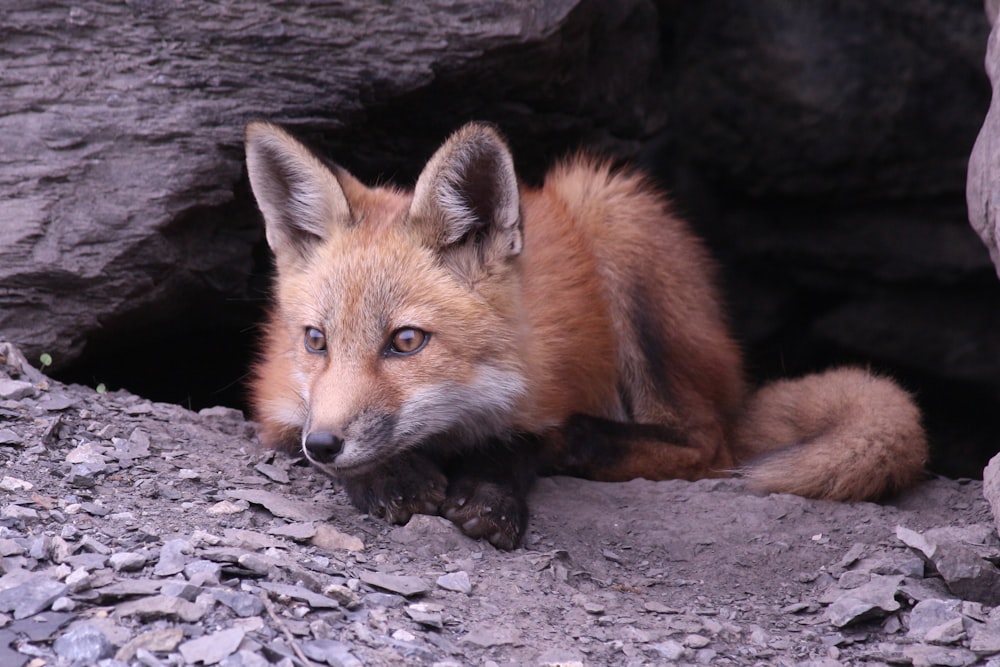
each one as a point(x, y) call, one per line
point(139, 533)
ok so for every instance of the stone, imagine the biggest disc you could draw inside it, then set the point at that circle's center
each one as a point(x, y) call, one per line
point(161, 606)
point(159, 640)
point(83, 644)
point(173, 557)
point(314, 600)
point(282, 506)
point(249, 539)
point(922, 655)
point(15, 390)
point(403, 584)
point(488, 636)
point(966, 572)
point(991, 474)
point(28, 593)
point(331, 652)
point(299, 532)
point(876, 598)
point(455, 581)
point(329, 538)
point(985, 637)
point(242, 604)
point(272, 472)
point(426, 615)
point(127, 561)
point(212, 648)
point(929, 614)
point(14, 484)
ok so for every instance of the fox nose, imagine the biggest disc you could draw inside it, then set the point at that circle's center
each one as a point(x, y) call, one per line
point(323, 447)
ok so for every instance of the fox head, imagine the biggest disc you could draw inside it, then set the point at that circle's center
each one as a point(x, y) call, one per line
point(396, 312)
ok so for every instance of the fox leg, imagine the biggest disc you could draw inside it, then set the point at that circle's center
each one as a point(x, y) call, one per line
point(406, 485)
point(488, 491)
point(612, 451)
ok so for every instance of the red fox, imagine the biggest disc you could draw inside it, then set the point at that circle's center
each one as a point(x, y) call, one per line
point(434, 349)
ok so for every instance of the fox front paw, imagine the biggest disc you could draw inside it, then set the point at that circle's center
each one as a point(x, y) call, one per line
point(398, 491)
point(487, 510)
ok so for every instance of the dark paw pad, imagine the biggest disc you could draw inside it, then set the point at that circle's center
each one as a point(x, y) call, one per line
point(398, 492)
point(487, 510)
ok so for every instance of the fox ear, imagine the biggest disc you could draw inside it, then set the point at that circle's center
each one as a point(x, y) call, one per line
point(468, 195)
point(298, 195)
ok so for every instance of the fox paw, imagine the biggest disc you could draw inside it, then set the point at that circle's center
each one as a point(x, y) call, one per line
point(487, 510)
point(398, 491)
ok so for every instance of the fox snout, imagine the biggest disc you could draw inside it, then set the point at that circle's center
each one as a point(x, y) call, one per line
point(322, 446)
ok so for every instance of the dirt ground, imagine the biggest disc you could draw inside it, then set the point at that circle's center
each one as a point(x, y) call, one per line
point(141, 533)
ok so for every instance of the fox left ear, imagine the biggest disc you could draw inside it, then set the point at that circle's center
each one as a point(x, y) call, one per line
point(467, 195)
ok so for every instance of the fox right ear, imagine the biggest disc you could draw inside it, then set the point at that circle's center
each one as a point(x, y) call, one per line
point(298, 195)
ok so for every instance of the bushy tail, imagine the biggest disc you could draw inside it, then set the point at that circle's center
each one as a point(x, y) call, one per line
point(845, 434)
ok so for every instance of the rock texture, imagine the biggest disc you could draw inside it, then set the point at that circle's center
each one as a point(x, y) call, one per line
point(121, 127)
point(820, 147)
point(141, 533)
point(984, 164)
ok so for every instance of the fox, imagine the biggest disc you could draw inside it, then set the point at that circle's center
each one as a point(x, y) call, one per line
point(436, 348)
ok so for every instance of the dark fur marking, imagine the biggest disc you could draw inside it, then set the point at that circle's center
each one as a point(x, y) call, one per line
point(593, 443)
point(652, 339)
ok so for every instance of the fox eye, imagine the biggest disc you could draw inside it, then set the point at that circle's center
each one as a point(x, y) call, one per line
point(315, 340)
point(408, 341)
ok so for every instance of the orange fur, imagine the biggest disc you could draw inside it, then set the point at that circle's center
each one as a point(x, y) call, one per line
point(584, 312)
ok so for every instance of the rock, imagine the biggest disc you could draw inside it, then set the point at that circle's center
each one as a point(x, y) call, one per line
point(922, 655)
point(967, 573)
point(83, 644)
point(160, 640)
point(127, 561)
point(991, 474)
point(314, 600)
point(876, 598)
point(330, 651)
point(488, 636)
point(985, 637)
point(249, 539)
point(25, 594)
point(212, 648)
point(272, 472)
point(243, 604)
point(15, 390)
point(173, 557)
point(428, 615)
point(161, 606)
point(299, 532)
point(403, 584)
point(930, 614)
point(14, 484)
point(282, 506)
point(329, 538)
point(455, 581)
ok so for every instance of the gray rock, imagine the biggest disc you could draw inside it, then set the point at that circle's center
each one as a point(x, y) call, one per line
point(9, 436)
point(83, 644)
point(985, 637)
point(203, 572)
point(428, 615)
point(314, 600)
point(15, 390)
point(922, 655)
point(282, 506)
point(991, 474)
point(455, 581)
point(876, 598)
point(964, 569)
point(488, 636)
point(331, 652)
point(402, 584)
point(243, 604)
point(930, 614)
point(299, 532)
point(162, 640)
point(173, 557)
point(161, 606)
point(211, 649)
point(127, 561)
point(272, 472)
point(31, 594)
